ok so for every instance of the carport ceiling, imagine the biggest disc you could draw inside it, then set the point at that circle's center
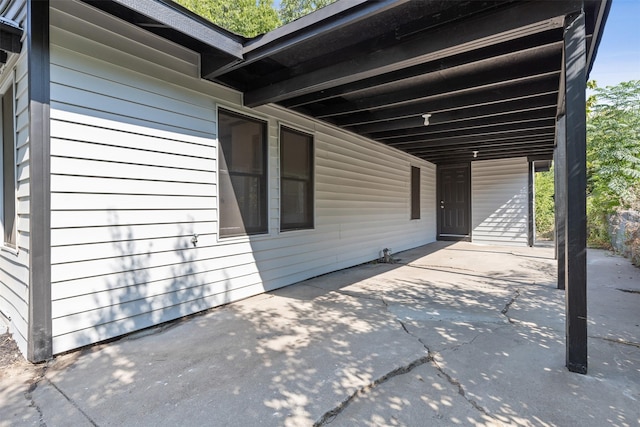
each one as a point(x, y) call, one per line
point(488, 72)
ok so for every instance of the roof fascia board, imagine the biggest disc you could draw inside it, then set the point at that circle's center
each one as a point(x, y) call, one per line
point(507, 24)
point(320, 22)
point(10, 36)
point(603, 14)
point(313, 25)
point(169, 15)
point(304, 22)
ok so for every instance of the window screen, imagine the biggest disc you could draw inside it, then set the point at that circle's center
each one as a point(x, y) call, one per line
point(296, 180)
point(242, 156)
point(415, 192)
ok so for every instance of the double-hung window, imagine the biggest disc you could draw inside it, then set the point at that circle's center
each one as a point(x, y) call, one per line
point(242, 157)
point(8, 169)
point(296, 180)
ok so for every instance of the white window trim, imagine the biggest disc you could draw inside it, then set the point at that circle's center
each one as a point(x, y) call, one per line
point(8, 247)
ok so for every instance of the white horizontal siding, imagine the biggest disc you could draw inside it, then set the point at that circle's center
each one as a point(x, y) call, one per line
point(16, 11)
point(134, 177)
point(500, 201)
point(14, 264)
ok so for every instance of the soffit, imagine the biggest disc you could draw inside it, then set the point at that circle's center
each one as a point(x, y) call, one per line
point(488, 72)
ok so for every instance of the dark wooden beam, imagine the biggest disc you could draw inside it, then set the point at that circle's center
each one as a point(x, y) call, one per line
point(535, 140)
point(477, 57)
point(519, 89)
point(489, 29)
point(451, 81)
point(497, 111)
point(456, 158)
point(483, 154)
point(531, 236)
point(532, 144)
point(462, 137)
point(504, 122)
point(560, 197)
point(40, 335)
point(576, 225)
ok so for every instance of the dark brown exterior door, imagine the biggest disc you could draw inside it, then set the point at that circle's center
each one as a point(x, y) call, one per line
point(454, 202)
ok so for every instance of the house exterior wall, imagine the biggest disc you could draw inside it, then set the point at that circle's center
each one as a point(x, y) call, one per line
point(14, 262)
point(499, 192)
point(134, 174)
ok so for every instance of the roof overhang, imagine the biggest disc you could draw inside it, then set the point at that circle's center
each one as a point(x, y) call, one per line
point(10, 38)
point(489, 73)
point(218, 48)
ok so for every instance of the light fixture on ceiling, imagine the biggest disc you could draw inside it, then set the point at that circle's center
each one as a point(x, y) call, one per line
point(426, 119)
point(475, 154)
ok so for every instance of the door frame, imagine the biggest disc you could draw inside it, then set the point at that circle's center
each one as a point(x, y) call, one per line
point(467, 237)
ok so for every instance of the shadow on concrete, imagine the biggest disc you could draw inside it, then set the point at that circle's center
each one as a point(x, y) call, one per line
point(455, 334)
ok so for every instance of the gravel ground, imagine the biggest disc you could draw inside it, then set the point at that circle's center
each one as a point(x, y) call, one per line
point(9, 353)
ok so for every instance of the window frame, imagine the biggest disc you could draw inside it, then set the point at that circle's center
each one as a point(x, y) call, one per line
point(310, 224)
point(415, 192)
point(9, 174)
point(263, 178)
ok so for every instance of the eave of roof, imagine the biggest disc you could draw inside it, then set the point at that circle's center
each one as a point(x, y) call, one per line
point(490, 72)
point(10, 38)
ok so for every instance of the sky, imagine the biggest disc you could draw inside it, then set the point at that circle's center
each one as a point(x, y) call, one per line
point(618, 56)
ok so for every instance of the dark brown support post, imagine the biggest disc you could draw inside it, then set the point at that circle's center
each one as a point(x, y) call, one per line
point(40, 345)
point(576, 223)
point(560, 178)
point(531, 229)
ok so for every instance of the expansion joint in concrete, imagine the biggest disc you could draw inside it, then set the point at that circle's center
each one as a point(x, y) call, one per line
point(74, 404)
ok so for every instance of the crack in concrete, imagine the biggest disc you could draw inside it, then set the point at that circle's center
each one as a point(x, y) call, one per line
point(448, 377)
point(28, 395)
point(629, 291)
point(617, 341)
point(331, 415)
point(507, 306)
point(461, 390)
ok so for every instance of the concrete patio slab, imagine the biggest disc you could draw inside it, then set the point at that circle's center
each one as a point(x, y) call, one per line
point(453, 334)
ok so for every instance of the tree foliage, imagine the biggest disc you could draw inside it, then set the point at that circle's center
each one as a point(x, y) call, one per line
point(544, 204)
point(290, 10)
point(613, 153)
point(245, 17)
point(613, 144)
point(250, 18)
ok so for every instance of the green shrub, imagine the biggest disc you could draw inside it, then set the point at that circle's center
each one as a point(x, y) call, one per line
point(597, 226)
point(544, 205)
